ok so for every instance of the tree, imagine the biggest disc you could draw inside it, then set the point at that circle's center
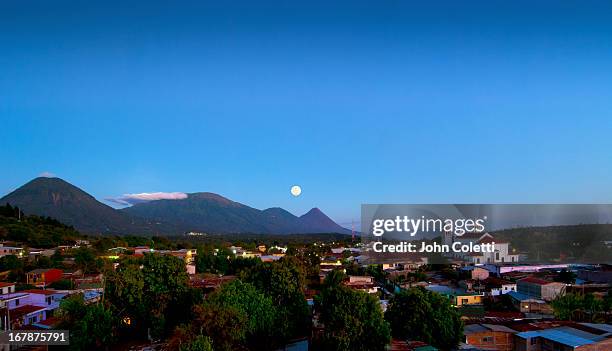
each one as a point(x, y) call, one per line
point(258, 310)
point(91, 326)
point(87, 261)
point(578, 307)
point(333, 279)
point(201, 343)
point(284, 282)
point(418, 314)
point(184, 339)
point(567, 307)
point(152, 291)
point(352, 320)
point(224, 326)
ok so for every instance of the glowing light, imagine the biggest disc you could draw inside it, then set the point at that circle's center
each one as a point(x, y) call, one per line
point(296, 190)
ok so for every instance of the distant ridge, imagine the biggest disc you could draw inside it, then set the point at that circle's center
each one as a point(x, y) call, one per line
point(202, 211)
point(70, 205)
point(211, 212)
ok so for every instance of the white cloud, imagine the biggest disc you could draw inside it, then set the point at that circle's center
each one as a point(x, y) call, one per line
point(131, 199)
point(47, 175)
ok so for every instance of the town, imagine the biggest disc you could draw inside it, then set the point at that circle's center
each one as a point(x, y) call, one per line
point(197, 293)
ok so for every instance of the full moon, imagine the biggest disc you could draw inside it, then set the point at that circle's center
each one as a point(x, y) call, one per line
point(296, 190)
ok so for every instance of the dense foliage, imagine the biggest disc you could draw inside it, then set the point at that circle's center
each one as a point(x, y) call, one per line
point(418, 314)
point(37, 231)
point(284, 282)
point(352, 320)
point(583, 307)
point(152, 293)
point(91, 326)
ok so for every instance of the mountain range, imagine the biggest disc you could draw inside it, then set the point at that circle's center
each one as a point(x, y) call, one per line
point(199, 212)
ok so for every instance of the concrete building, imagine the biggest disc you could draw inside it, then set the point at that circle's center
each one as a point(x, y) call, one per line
point(489, 337)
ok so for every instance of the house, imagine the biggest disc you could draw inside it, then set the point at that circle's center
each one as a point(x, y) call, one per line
point(558, 339)
point(29, 306)
point(191, 269)
point(495, 286)
point(603, 275)
point(465, 299)
point(35, 253)
point(27, 315)
point(187, 255)
point(7, 288)
point(479, 273)
point(48, 298)
point(11, 250)
point(362, 283)
point(44, 276)
point(141, 250)
point(4, 304)
point(528, 304)
point(553, 290)
point(471, 285)
point(540, 288)
point(489, 337)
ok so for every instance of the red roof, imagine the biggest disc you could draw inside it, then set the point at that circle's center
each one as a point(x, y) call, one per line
point(40, 292)
point(24, 310)
point(399, 345)
point(50, 322)
point(4, 285)
point(533, 280)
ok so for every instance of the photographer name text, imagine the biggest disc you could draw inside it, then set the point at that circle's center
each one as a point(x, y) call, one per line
point(424, 247)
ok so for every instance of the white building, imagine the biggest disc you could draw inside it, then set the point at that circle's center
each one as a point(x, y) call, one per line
point(28, 306)
point(501, 253)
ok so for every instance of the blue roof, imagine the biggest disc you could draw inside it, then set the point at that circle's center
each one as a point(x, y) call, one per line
point(88, 295)
point(558, 336)
point(518, 296)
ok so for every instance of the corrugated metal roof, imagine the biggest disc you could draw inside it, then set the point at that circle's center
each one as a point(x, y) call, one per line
point(474, 328)
point(557, 336)
point(605, 327)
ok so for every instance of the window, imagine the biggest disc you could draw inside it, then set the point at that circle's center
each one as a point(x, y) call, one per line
point(464, 301)
point(17, 302)
point(534, 341)
point(497, 256)
point(487, 339)
point(48, 300)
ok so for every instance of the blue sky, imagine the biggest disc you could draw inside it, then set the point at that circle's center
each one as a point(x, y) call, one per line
point(357, 102)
